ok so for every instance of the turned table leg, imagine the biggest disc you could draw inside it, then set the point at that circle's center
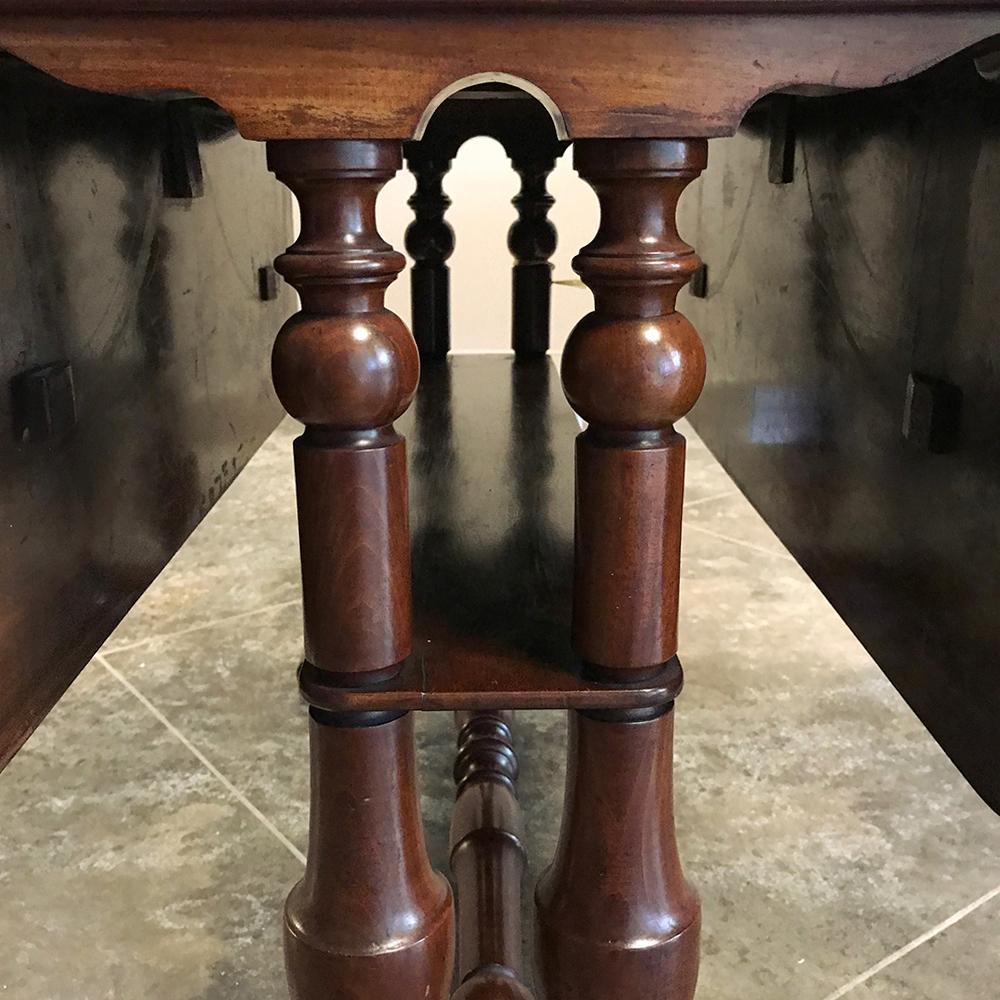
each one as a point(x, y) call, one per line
point(370, 917)
point(615, 916)
point(430, 241)
point(532, 241)
point(488, 859)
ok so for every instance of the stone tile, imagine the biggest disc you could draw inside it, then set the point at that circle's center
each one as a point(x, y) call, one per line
point(243, 556)
point(823, 826)
point(126, 871)
point(730, 515)
point(704, 479)
point(231, 688)
point(962, 963)
point(804, 783)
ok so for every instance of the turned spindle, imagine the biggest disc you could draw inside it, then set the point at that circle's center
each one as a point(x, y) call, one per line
point(370, 917)
point(532, 240)
point(430, 241)
point(488, 860)
point(615, 916)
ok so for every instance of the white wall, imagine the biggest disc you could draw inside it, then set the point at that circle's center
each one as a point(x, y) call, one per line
point(481, 184)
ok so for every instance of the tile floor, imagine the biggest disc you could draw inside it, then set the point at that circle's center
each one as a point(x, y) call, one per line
point(153, 824)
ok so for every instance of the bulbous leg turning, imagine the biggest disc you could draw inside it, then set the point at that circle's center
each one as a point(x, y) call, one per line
point(615, 916)
point(370, 918)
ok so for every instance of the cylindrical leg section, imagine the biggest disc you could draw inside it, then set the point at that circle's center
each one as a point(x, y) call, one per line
point(628, 549)
point(615, 916)
point(531, 308)
point(430, 304)
point(370, 918)
point(353, 520)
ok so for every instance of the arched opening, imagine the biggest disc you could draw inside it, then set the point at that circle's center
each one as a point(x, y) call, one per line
point(485, 142)
point(492, 83)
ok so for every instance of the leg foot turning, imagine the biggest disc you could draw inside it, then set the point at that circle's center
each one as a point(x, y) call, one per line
point(370, 918)
point(615, 916)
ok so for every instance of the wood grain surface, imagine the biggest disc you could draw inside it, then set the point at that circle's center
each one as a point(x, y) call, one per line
point(288, 8)
point(664, 74)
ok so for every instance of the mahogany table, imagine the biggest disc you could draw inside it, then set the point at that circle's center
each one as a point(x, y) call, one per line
point(336, 89)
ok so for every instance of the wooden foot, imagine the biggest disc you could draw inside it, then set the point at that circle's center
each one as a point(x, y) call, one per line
point(370, 917)
point(532, 241)
point(430, 241)
point(615, 915)
point(616, 918)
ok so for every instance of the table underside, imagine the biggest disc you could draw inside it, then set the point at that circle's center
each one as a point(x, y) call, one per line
point(601, 70)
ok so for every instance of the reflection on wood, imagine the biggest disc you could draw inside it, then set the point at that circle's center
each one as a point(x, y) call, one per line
point(866, 433)
point(137, 390)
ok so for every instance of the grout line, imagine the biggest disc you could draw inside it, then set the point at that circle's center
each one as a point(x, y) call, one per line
point(738, 541)
point(213, 770)
point(914, 944)
point(714, 496)
point(111, 650)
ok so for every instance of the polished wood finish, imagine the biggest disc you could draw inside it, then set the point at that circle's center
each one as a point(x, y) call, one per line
point(602, 72)
point(615, 916)
point(631, 368)
point(488, 860)
point(442, 681)
point(491, 532)
point(334, 89)
point(807, 394)
point(370, 917)
point(347, 368)
point(122, 421)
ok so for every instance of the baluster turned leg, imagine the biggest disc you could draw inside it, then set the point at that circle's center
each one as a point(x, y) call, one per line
point(370, 917)
point(488, 860)
point(532, 241)
point(430, 242)
point(616, 918)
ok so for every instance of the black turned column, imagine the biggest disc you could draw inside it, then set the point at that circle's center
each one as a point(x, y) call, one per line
point(532, 240)
point(430, 242)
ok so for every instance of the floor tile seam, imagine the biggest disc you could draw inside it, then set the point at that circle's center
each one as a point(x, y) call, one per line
point(216, 773)
point(701, 501)
point(912, 946)
point(200, 626)
point(774, 553)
